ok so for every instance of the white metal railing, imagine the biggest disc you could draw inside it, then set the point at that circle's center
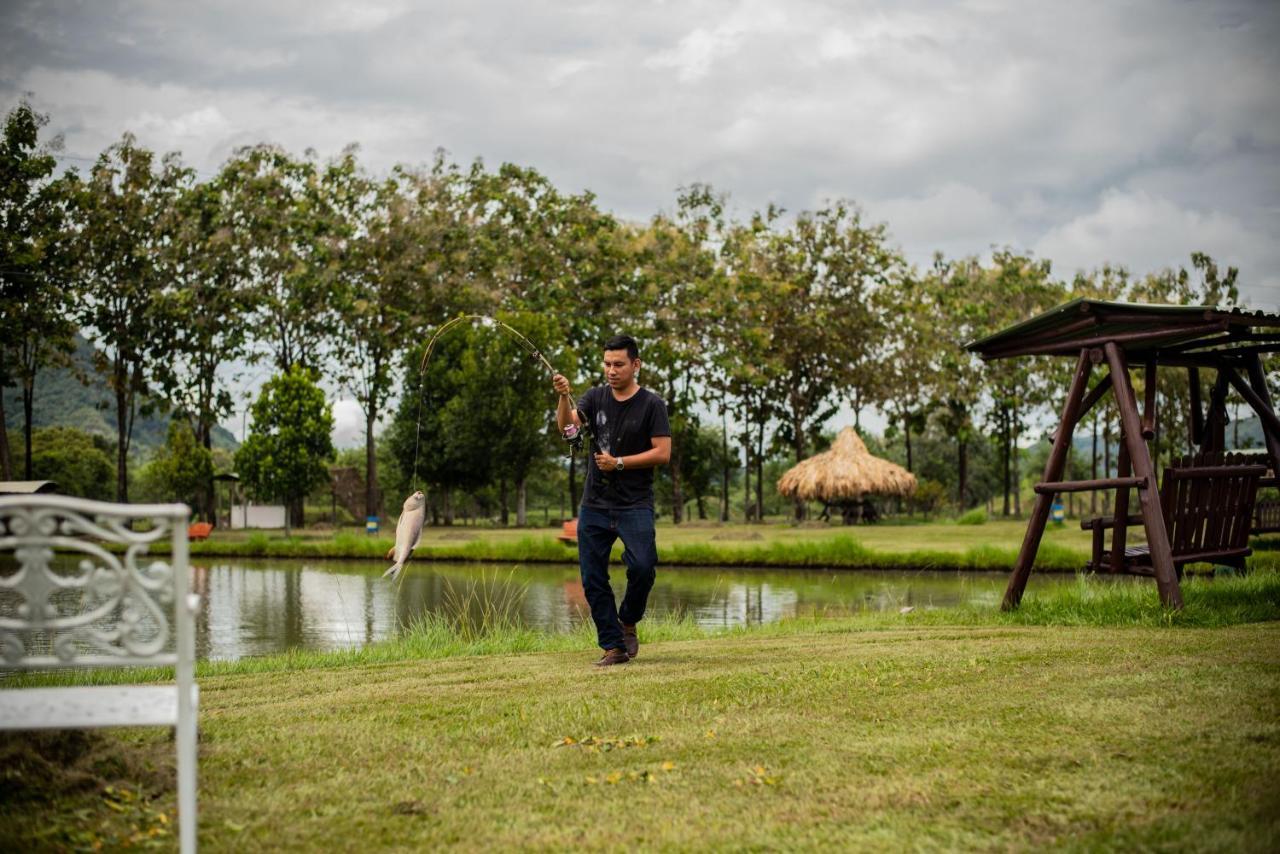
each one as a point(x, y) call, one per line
point(109, 610)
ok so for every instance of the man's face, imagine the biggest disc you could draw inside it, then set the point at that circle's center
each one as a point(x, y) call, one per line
point(619, 369)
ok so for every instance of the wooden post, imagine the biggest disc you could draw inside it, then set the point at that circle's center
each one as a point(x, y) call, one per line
point(1149, 401)
point(1197, 407)
point(1052, 472)
point(1120, 531)
point(1149, 498)
point(1258, 380)
point(1217, 420)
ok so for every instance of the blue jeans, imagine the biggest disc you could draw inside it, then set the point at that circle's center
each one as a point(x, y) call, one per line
point(598, 530)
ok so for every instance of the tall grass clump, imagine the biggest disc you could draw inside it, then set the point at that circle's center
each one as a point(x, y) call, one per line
point(1208, 602)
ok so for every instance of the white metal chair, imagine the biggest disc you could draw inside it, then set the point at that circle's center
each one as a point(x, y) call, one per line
point(108, 610)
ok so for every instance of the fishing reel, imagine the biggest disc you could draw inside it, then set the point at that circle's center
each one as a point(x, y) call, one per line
point(574, 435)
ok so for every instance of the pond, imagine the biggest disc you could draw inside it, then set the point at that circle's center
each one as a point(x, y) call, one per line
point(260, 607)
point(253, 608)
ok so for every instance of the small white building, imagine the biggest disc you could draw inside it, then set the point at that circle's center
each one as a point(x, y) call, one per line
point(257, 516)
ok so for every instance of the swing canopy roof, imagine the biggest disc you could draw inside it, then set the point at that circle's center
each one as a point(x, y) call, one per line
point(1169, 334)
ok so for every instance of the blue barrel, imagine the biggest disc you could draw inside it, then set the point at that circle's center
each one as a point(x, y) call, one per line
point(371, 525)
point(1057, 512)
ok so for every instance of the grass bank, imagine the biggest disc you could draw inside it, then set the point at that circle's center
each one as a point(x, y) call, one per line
point(938, 545)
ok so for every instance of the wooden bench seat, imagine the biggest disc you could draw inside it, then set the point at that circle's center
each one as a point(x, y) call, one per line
point(1208, 505)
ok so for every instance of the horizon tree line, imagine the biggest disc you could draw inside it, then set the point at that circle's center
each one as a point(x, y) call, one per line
point(771, 322)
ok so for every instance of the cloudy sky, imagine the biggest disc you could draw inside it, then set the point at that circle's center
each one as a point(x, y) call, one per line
point(1123, 132)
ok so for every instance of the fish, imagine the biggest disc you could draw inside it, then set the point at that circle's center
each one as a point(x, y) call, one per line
point(408, 532)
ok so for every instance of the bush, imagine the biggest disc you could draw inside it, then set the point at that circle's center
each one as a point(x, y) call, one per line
point(976, 516)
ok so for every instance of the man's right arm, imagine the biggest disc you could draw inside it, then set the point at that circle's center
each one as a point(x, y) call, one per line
point(566, 412)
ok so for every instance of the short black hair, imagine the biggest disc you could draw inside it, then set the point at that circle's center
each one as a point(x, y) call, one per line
point(624, 342)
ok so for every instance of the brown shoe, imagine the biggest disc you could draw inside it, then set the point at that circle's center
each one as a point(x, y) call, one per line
point(630, 640)
point(612, 657)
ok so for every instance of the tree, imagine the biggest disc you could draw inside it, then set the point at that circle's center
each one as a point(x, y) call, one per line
point(1014, 288)
point(284, 457)
point(906, 356)
point(819, 276)
point(79, 462)
point(183, 467)
point(205, 309)
point(674, 303)
point(392, 279)
point(958, 389)
point(289, 233)
point(119, 243)
point(35, 293)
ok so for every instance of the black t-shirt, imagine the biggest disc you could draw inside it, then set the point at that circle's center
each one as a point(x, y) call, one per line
point(621, 429)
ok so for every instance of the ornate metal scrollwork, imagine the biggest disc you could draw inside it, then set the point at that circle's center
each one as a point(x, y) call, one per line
point(116, 604)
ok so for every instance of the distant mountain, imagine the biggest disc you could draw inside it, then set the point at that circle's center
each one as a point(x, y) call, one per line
point(61, 400)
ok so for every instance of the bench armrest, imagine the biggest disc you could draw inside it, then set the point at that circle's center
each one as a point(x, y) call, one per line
point(1102, 523)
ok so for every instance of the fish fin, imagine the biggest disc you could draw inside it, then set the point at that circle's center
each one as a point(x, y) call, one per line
point(391, 553)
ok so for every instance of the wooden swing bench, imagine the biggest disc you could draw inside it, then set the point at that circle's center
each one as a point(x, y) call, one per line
point(1208, 506)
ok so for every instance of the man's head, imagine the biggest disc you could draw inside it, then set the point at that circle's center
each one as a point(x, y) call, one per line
point(621, 361)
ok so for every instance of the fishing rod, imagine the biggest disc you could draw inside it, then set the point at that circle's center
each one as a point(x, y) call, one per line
point(571, 434)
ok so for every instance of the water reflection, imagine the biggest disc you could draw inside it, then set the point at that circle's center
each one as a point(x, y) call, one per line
point(256, 608)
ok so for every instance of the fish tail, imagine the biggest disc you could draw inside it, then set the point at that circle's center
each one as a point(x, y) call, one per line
point(394, 570)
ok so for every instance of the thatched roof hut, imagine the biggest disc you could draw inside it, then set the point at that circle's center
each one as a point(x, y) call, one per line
point(847, 472)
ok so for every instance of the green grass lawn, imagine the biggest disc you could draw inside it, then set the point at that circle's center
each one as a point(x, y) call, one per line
point(1132, 729)
point(940, 737)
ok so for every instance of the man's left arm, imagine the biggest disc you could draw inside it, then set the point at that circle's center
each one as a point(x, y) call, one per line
point(658, 455)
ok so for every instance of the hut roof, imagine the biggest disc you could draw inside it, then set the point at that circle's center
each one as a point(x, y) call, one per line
point(846, 471)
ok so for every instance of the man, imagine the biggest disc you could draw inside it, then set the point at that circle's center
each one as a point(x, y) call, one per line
point(630, 435)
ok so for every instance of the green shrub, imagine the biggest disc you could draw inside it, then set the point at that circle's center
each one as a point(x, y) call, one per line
point(976, 516)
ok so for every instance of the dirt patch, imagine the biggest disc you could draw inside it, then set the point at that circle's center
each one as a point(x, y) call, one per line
point(458, 535)
point(46, 766)
point(733, 535)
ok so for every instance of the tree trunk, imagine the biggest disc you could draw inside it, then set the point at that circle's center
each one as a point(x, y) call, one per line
point(28, 401)
point(797, 428)
point(677, 490)
point(962, 454)
point(6, 466)
point(504, 512)
point(724, 472)
point(1013, 454)
point(906, 424)
point(760, 473)
point(372, 500)
point(522, 517)
point(122, 451)
point(1005, 434)
point(448, 507)
point(746, 475)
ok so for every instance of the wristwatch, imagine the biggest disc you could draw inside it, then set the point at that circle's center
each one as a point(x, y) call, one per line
point(620, 465)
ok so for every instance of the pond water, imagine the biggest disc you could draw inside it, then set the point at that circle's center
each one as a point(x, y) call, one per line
point(260, 607)
point(257, 608)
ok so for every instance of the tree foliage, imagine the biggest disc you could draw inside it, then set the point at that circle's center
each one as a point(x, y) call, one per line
point(284, 457)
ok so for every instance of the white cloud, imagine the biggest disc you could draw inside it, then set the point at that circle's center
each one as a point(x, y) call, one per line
point(1146, 233)
point(1135, 131)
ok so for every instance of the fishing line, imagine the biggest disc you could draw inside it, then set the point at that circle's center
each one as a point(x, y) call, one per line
point(490, 322)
